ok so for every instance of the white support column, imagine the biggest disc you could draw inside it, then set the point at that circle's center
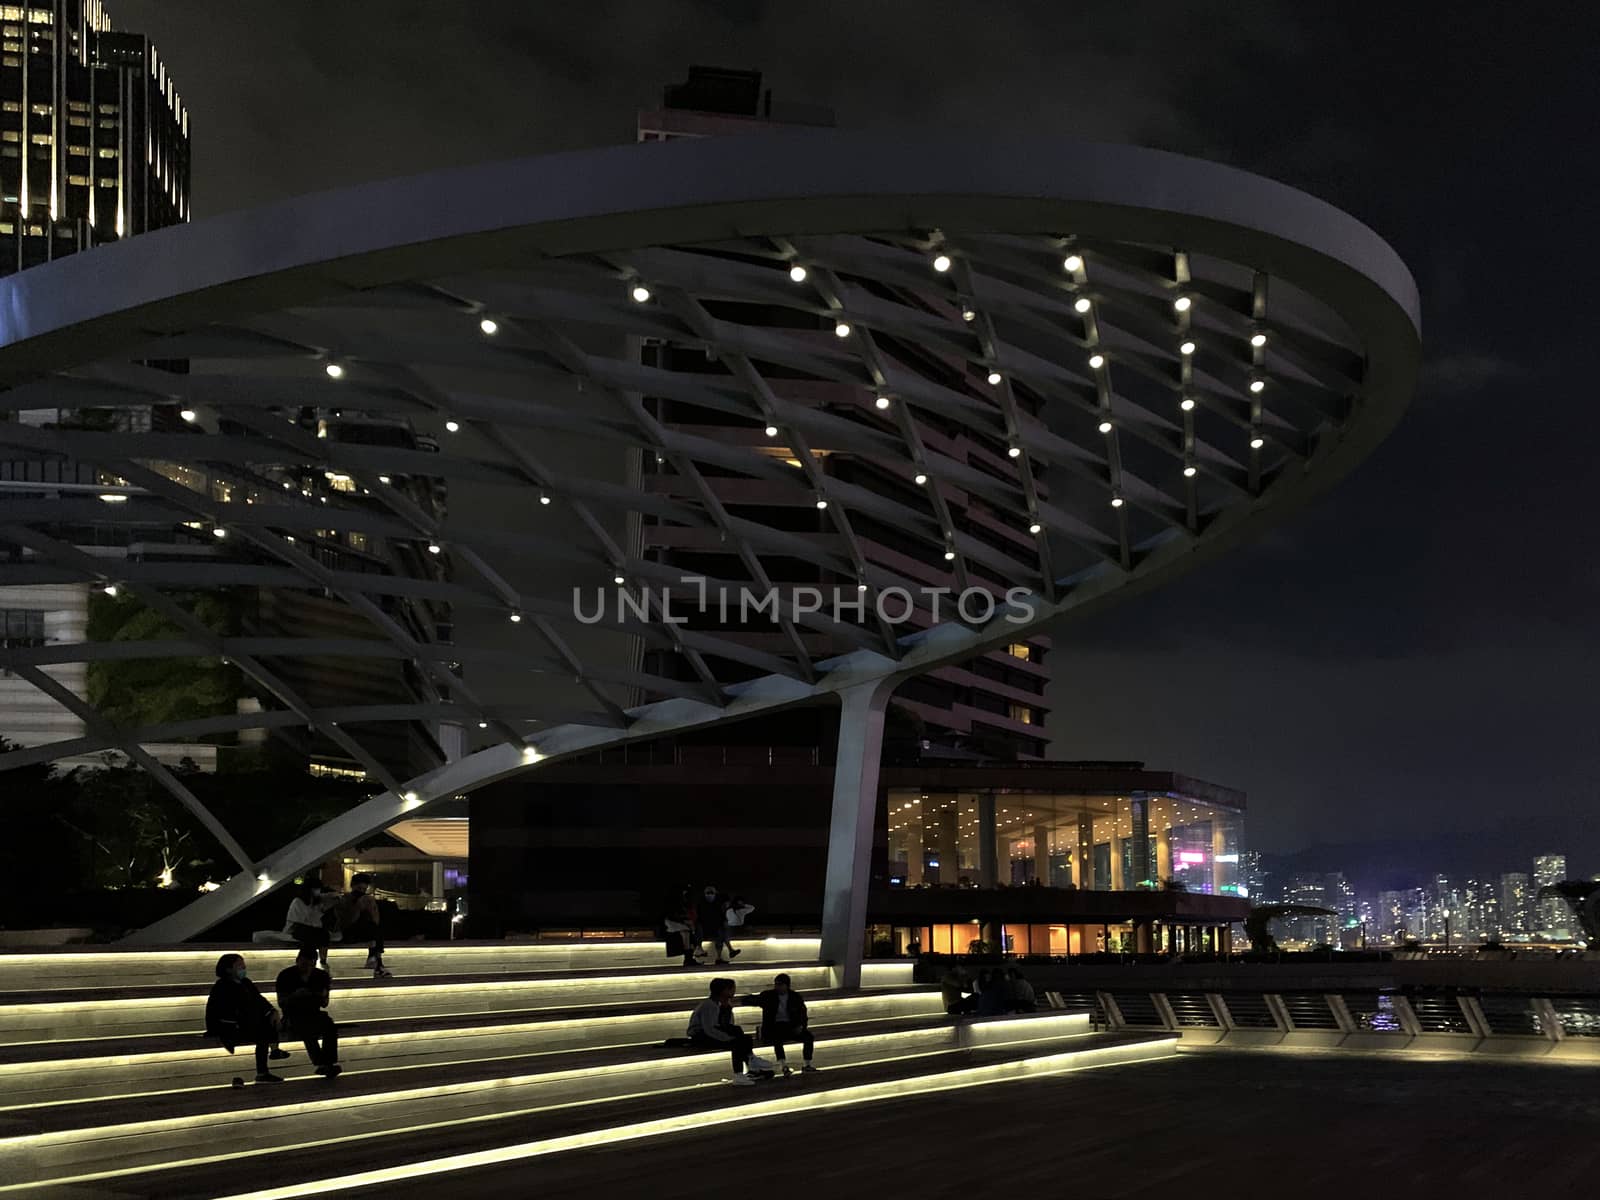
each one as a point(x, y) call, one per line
point(855, 804)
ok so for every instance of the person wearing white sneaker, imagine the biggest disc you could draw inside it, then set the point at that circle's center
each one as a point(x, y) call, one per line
point(711, 1027)
point(784, 1019)
point(359, 919)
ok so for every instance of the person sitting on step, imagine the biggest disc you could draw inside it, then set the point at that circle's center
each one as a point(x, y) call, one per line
point(784, 1019)
point(711, 1027)
point(237, 1014)
point(303, 996)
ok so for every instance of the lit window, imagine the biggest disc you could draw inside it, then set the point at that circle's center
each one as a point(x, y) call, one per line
point(12, 106)
point(41, 110)
point(11, 135)
point(80, 122)
point(77, 150)
point(1022, 713)
point(108, 151)
point(43, 139)
point(1020, 650)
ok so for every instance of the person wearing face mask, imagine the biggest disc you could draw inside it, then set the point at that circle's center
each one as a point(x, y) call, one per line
point(238, 1015)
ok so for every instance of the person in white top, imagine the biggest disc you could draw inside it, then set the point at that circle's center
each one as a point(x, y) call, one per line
point(305, 921)
point(737, 910)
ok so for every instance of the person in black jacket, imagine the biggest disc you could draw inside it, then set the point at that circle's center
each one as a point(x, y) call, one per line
point(784, 1019)
point(239, 1015)
point(303, 996)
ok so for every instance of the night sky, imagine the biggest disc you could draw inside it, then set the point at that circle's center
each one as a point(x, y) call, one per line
point(1415, 655)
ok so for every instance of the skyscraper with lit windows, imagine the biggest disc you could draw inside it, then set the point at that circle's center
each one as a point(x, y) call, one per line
point(94, 138)
point(1554, 918)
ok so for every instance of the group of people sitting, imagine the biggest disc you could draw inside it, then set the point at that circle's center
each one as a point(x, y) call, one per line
point(237, 1014)
point(996, 992)
point(699, 927)
point(317, 914)
point(783, 1020)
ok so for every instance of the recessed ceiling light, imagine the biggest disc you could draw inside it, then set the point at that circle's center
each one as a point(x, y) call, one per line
point(1257, 386)
point(516, 618)
point(994, 378)
point(381, 479)
point(941, 263)
point(1188, 472)
point(949, 555)
point(882, 402)
point(1116, 502)
point(489, 326)
point(920, 479)
point(1257, 442)
point(452, 426)
point(1186, 348)
point(618, 580)
point(1182, 303)
point(1105, 426)
point(219, 531)
point(1073, 262)
point(1096, 361)
point(640, 293)
point(1035, 528)
point(772, 431)
point(110, 589)
point(434, 547)
point(968, 314)
point(1015, 452)
point(797, 273)
point(334, 370)
point(841, 329)
point(1259, 340)
point(1187, 404)
point(822, 504)
point(113, 498)
point(1082, 304)
point(189, 414)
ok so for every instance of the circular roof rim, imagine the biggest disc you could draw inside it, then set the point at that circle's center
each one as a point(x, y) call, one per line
point(802, 169)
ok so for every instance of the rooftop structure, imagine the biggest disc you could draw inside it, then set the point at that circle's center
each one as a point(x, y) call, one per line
point(1147, 360)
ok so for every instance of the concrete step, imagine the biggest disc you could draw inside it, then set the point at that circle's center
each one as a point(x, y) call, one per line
point(66, 969)
point(57, 1073)
point(127, 1018)
point(164, 1147)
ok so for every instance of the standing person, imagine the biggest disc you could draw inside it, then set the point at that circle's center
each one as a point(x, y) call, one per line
point(303, 996)
point(733, 918)
point(237, 1014)
point(306, 922)
point(359, 919)
point(784, 1019)
point(712, 921)
point(711, 1027)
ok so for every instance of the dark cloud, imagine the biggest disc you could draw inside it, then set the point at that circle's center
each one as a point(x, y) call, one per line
point(1415, 650)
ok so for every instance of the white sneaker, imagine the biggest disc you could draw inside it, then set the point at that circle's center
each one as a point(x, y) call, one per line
point(742, 1080)
point(757, 1063)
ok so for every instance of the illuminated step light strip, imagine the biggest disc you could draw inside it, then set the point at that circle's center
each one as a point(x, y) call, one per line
point(943, 1081)
point(91, 1091)
point(103, 958)
point(687, 1069)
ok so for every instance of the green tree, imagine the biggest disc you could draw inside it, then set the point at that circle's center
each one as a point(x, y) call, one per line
point(153, 691)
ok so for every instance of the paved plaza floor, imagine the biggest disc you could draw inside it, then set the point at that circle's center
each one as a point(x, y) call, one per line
point(1206, 1124)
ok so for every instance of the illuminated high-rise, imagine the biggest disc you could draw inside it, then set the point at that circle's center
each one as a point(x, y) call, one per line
point(1554, 917)
point(94, 139)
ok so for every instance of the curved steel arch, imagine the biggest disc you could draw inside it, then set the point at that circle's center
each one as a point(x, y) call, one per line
point(1105, 455)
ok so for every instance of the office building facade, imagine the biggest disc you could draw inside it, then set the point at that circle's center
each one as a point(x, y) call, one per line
point(94, 135)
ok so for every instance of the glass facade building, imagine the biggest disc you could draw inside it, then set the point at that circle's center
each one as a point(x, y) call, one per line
point(1040, 838)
